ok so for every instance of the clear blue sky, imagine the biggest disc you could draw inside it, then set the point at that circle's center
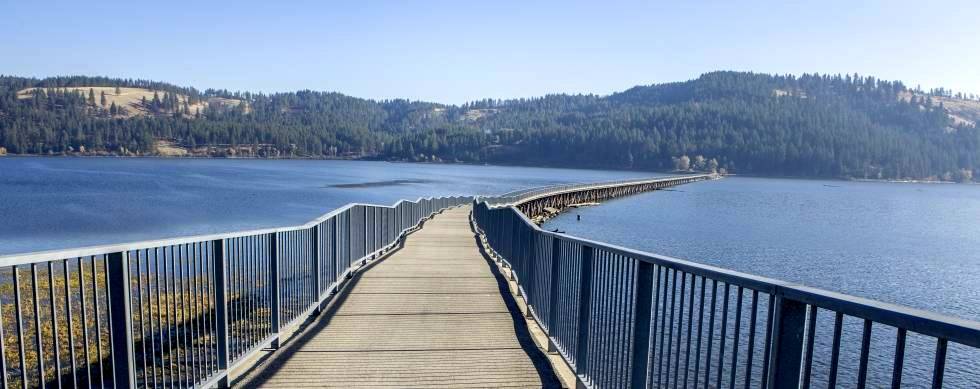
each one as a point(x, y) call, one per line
point(453, 51)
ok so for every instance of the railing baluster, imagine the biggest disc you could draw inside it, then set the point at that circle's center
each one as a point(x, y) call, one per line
point(738, 328)
point(84, 318)
point(711, 333)
point(697, 343)
point(54, 325)
point(654, 360)
point(722, 340)
point(808, 351)
point(680, 328)
point(18, 315)
point(767, 343)
point(71, 329)
point(690, 327)
point(98, 320)
point(664, 324)
point(751, 349)
point(899, 359)
point(865, 348)
point(38, 346)
point(140, 306)
point(159, 314)
point(316, 234)
point(835, 350)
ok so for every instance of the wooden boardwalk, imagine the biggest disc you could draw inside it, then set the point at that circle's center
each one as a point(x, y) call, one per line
point(435, 313)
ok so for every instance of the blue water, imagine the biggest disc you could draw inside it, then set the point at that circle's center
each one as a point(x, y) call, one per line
point(911, 244)
point(916, 245)
point(52, 203)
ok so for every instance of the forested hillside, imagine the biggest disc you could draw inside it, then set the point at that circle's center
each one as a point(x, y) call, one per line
point(811, 125)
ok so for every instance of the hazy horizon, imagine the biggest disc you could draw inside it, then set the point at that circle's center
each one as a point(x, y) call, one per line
point(447, 53)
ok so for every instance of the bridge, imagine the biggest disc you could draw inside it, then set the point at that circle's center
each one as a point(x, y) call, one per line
point(444, 292)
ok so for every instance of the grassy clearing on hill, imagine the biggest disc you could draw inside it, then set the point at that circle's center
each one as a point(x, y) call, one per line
point(131, 99)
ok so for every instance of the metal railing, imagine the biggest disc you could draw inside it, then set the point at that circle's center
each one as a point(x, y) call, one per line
point(524, 195)
point(626, 318)
point(181, 312)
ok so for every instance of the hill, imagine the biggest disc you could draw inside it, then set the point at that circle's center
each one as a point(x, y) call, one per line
point(132, 102)
point(809, 125)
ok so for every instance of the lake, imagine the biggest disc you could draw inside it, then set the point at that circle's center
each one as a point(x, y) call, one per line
point(54, 203)
point(912, 244)
point(916, 245)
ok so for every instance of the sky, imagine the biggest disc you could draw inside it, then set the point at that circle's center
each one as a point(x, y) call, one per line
point(453, 51)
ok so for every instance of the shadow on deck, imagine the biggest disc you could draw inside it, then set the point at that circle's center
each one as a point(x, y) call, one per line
point(436, 312)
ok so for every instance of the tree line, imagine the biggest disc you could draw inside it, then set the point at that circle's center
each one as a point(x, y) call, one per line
point(810, 125)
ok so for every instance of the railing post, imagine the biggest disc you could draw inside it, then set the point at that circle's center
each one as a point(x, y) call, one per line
point(584, 313)
point(787, 343)
point(553, 294)
point(221, 308)
point(641, 325)
point(317, 262)
point(364, 231)
point(335, 252)
point(121, 324)
point(274, 286)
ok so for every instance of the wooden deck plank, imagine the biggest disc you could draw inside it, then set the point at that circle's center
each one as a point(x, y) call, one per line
point(431, 315)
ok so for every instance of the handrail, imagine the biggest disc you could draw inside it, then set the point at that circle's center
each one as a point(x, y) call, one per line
point(526, 195)
point(605, 309)
point(42, 256)
point(183, 311)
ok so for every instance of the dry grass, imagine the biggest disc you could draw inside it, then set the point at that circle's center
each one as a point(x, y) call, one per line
point(131, 98)
point(170, 149)
point(477, 114)
point(959, 110)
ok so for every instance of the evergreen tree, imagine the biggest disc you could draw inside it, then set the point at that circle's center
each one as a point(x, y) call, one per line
point(808, 125)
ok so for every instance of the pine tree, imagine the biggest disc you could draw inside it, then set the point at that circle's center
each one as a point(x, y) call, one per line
point(102, 99)
point(118, 91)
point(91, 96)
point(155, 105)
